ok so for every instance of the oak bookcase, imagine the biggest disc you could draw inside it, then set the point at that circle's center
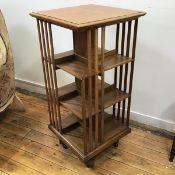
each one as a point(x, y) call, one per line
point(88, 129)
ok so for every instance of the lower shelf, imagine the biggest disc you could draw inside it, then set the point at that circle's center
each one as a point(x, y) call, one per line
point(73, 100)
point(113, 130)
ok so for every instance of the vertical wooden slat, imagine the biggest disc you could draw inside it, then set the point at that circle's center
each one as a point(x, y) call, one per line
point(126, 68)
point(123, 39)
point(117, 38)
point(89, 88)
point(52, 87)
point(96, 87)
point(45, 56)
point(55, 81)
point(121, 67)
point(128, 38)
point(115, 70)
point(132, 69)
point(102, 81)
point(84, 115)
point(44, 68)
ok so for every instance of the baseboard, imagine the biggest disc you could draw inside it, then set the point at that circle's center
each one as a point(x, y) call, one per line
point(150, 121)
point(135, 116)
point(153, 121)
point(30, 86)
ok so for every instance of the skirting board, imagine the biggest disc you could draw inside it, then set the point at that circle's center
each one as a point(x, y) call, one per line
point(30, 86)
point(153, 121)
point(135, 116)
point(149, 120)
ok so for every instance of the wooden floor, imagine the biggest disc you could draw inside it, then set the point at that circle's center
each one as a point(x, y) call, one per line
point(28, 147)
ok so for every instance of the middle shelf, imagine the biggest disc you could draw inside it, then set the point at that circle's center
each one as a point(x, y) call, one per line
point(77, 65)
point(71, 98)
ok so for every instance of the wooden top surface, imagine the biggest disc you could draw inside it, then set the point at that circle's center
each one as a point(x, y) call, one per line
point(86, 16)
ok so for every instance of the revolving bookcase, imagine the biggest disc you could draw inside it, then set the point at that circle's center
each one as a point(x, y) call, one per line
point(88, 129)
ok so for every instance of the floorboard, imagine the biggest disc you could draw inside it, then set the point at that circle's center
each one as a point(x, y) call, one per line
point(3, 173)
point(27, 146)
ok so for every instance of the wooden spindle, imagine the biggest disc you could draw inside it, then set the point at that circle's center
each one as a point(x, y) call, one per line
point(128, 38)
point(89, 89)
point(96, 88)
point(102, 82)
point(44, 68)
point(84, 115)
point(121, 67)
point(51, 74)
point(132, 69)
point(55, 81)
point(47, 72)
point(115, 70)
point(126, 68)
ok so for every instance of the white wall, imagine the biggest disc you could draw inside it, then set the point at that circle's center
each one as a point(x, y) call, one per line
point(154, 83)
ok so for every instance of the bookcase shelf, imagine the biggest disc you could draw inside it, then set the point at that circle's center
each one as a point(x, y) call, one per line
point(73, 100)
point(114, 129)
point(77, 65)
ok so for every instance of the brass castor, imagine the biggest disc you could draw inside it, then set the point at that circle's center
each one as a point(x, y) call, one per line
point(63, 145)
point(90, 163)
point(116, 144)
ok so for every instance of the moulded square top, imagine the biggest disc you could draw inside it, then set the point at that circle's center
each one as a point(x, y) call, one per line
point(86, 16)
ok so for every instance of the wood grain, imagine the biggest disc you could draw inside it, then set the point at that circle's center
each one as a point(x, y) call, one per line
point(111, 96)
point(14, 168)
point(140, 152)
point(77, 66)
point(86, 16)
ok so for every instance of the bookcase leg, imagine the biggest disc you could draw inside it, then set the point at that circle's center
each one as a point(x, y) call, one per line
point(171, 157)
point(116, 144)
point(90, 163)
point(172, 153)
point(64, 146)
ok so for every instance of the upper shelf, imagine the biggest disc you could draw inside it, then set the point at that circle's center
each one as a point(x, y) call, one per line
point(77, 66)
point(87, 16)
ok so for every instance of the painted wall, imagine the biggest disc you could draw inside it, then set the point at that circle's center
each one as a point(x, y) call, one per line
point(154, 83)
